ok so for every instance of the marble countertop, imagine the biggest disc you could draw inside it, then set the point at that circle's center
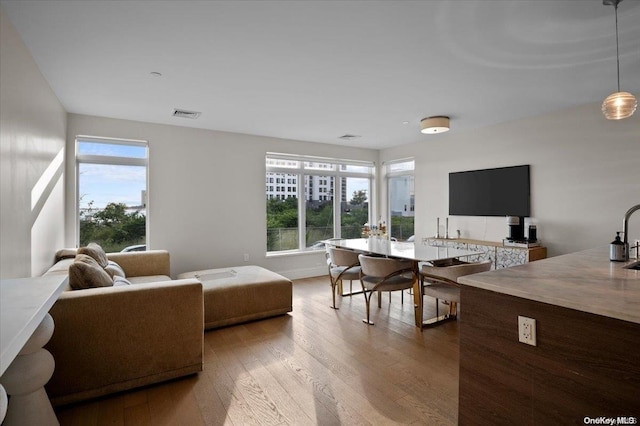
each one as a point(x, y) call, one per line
point(23, 304)
point(585, 281)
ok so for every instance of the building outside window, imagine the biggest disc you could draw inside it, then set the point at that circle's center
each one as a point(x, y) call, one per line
point(314, 208)
point(401, 196)
point(112, 192)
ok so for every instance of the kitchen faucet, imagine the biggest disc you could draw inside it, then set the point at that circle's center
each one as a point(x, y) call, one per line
point(625, 226)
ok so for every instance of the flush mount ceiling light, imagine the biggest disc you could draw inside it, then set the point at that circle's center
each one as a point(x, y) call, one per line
point(435, 124)
point(618, 105)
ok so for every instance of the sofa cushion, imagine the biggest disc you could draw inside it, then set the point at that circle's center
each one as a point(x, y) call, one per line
point(114, 270)
point(118, 280)
point(96, 252)
point(85, 272)
point(147, 279)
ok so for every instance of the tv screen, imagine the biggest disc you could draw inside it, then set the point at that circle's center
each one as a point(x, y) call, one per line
point(503, 191)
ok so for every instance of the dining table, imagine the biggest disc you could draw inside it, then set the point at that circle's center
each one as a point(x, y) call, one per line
point(415, 251)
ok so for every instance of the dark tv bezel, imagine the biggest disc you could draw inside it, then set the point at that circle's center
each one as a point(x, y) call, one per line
point(522, 210)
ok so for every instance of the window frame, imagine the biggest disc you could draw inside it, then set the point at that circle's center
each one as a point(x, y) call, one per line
point(389, 174)
point(110, 161)
point(301, 171)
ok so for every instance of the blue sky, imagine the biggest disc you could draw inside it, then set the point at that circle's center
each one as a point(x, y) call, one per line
point(106, 183)
point(114, 150)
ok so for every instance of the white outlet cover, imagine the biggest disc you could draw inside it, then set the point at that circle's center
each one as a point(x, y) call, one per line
point(527, 330)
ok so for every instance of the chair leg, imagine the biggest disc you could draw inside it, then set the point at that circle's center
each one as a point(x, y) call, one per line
point(451, 316)
point(380, 299)
point(333, 293)
point(453, 309)
point(367, 302)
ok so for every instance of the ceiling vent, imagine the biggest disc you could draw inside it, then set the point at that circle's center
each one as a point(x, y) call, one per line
point(183, 113)
point(349, 137)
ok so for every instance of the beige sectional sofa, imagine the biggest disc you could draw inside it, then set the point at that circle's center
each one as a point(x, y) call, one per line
point(110, 339)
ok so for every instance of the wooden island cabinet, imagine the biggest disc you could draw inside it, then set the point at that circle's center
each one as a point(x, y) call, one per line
point(586, 362)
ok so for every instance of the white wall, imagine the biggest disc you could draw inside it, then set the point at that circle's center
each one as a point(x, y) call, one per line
point(585, 174)
point(206, 192)
point(32, 141)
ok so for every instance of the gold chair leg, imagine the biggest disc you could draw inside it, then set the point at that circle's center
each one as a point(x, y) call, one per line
point(367, 301)
point(451, 316)
point(333, 293)
point(453, 309)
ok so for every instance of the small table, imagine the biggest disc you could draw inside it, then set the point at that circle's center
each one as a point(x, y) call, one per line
point(25, 327)
point(417, 252)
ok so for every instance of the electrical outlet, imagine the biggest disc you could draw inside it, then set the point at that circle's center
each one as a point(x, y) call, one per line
point(527, 330)
point(246, 257)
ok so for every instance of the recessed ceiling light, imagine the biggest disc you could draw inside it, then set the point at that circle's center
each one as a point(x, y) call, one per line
point(183, 113)
point(155, 74)
point(405, 122)
point(349, 136)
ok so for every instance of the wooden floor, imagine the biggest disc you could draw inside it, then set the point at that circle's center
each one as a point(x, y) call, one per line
point(314, 366)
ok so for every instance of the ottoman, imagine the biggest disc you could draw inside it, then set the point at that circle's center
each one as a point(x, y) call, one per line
point(241, 294)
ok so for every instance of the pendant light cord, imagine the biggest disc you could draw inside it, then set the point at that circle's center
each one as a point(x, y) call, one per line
point(617, 48)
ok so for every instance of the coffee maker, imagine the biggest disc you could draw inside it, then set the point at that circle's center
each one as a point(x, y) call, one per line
point(516, 228)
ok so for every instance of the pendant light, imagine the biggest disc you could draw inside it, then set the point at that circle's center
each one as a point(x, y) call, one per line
point(618, 105)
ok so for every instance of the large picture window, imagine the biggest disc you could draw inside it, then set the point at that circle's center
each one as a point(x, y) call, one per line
point(400, 184)
point(314, 199)
point(112, 193)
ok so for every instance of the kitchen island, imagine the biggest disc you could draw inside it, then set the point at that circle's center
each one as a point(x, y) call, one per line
point(586, 362)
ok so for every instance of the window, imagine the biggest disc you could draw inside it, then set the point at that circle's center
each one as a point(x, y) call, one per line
point(111, 192)
point(328, 198)
point(400, 185)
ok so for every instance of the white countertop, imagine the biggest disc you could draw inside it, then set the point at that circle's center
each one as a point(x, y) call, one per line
point(585, 281)
point(23, 304)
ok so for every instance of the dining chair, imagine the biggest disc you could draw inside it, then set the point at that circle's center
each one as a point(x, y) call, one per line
point(343, 265)
point(441, 282)
point(384, 274)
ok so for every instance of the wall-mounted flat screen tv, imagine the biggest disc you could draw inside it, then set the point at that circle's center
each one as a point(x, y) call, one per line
point(503, 191)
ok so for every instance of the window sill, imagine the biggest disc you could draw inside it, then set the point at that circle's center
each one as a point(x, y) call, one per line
point(288, 253)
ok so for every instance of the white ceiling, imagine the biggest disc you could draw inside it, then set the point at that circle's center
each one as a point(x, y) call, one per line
point(316, 70)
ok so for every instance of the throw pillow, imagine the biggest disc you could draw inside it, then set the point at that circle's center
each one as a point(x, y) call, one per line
point(117, 281)
point(68, 253)
point(85, 272)
point(114, 270)
point(94, 250)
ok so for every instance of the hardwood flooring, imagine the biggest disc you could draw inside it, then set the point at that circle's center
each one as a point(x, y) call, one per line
point(314, 366)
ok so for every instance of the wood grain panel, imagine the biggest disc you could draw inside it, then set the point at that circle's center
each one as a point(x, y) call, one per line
point(583, 364)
